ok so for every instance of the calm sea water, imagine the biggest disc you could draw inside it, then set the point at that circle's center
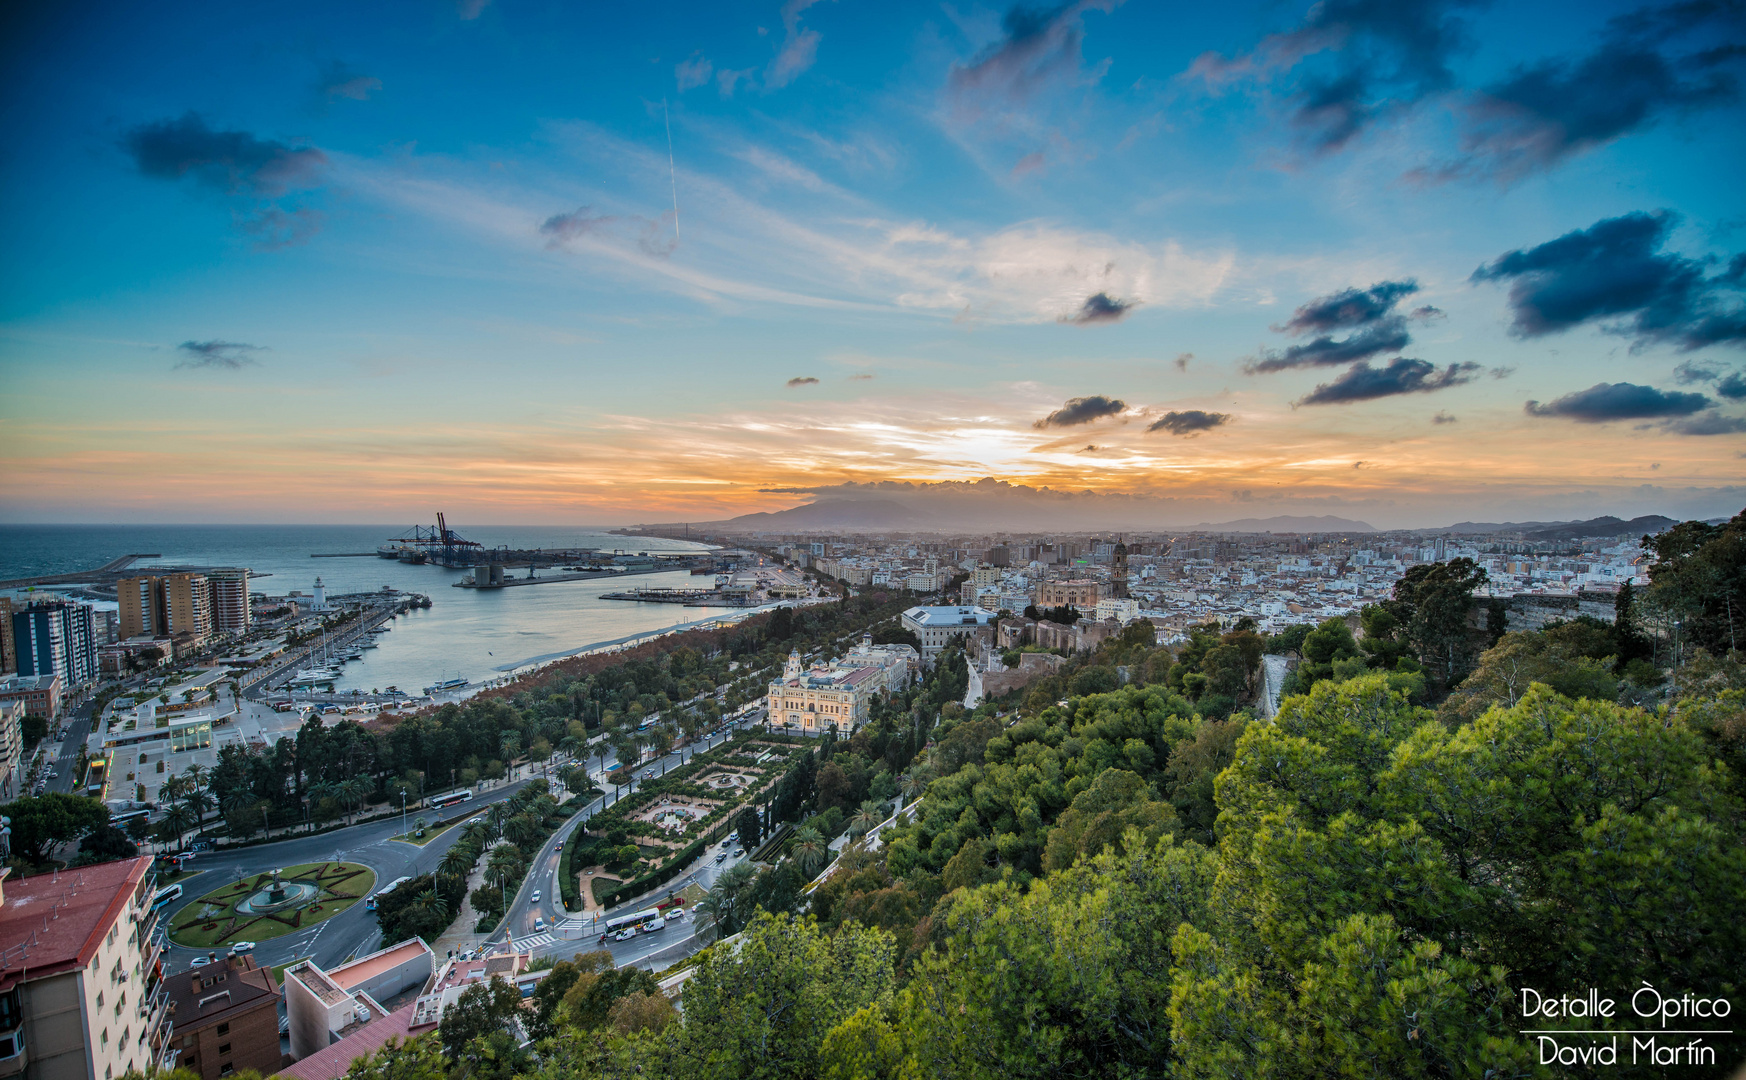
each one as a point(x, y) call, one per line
point(469, 633)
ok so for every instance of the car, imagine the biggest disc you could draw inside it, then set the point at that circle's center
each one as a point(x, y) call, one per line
point(240, 947)
point(199, 961)
point(626, 934)
point(675, 913)
point(536, 896)
point(560, 845)
point(539, 924)
point(720, 855)
point(739, 853)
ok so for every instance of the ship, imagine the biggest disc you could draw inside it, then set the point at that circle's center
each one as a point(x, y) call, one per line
point(446, 684)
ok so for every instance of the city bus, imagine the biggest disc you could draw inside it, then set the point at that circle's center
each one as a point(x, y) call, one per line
point(120, 820)
point(636, 918)
point(166, 895)
point(370, 904)
point(450, 798)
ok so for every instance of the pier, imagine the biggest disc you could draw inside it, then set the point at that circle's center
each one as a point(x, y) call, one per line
point(688, 597)
point(504, 581)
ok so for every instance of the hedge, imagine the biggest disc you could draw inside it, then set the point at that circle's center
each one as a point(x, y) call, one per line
point(667, 872)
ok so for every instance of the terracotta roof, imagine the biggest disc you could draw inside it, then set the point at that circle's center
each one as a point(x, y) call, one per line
point(331, 1062)
point(54, 922)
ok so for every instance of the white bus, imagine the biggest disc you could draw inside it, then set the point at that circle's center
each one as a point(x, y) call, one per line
point(450, 798)
point(370, 904)
point(166, 895)
point(638, 919)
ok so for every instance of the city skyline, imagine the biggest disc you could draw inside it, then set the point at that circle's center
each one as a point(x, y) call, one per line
point(1409, 264)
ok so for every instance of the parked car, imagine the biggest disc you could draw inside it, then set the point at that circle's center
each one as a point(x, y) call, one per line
point(720, 856)
point(739, 853)
point(199, 961)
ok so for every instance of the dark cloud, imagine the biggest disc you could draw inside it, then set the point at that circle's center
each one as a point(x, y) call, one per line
point(1368, 313)
point(1182, 360)
point(1082, 410)
point(1351, 62)
point(1688, 372)
point(802, 380)
point(1402, 375)
point(234, 162)
point(338, 80)
point(580, 222)
point(1099, 308)
point(1036, 46)
point(1349, 308)
point(1443, 418)
point(229, 355)
point(1189, 422)
point(1615, 269)
point(1621, 401)
point(1733, 387)
point(1552, 110)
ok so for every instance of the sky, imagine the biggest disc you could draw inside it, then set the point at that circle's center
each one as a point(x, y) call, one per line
point(1403, 261)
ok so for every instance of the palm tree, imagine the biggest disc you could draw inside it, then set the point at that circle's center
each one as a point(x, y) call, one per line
point(459, 859)
point(474, 834)
point(177, 820)
point(915, 786)
point(523, 830)
point(506, 862)
point(495, 817)
point(872, 812)
point(809, 850)
point(353, 791)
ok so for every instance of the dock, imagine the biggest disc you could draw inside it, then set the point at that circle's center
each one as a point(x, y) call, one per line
point(506, 581)
point(688, 597)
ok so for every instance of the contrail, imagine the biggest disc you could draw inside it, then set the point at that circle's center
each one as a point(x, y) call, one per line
point(672, 174)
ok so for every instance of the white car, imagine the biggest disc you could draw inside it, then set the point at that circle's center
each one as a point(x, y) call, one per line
point(242, 947)
point(199, 961)
point(675, 913)
point(536, 896)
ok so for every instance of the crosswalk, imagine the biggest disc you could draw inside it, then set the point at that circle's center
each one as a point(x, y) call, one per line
point(528, 944)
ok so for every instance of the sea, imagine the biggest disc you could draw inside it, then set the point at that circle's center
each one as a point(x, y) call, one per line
point(474, 634)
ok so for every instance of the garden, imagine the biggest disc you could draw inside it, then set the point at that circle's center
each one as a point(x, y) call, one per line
point(265, 906)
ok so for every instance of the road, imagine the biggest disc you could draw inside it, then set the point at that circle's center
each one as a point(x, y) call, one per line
point(353, 932)
point(77, 725)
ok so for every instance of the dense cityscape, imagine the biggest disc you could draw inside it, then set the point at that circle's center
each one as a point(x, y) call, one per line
point(783, 540)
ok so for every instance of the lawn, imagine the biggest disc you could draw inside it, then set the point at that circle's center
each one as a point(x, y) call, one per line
point(213, 920)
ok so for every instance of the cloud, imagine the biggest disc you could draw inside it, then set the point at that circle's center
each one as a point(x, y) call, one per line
point(799, 48)
point(727, 79)
point(339, 81)
point(1443, 418)
point(1688, 372)
point(469, 10)
point(273, 227)
point(1368, 313)
point(1615, 269)
point(1733, 387)
point(1547, 112)
point(1710, 423)
point(1182, 360)
point(227, 355)
point(580, 222)
point(860, 376)
point(1030, 163)
point(1350, 63)
point(693, 72)
point(1604, 402)
point(1036, 46)
point(802, 380)
point(1099, 308)
point(234, 162)
point(1189, 422)
point(1402, 375)
point(1082, 410)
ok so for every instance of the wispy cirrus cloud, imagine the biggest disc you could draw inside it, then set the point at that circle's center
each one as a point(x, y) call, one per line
point(1036, 47)
point(339, 80)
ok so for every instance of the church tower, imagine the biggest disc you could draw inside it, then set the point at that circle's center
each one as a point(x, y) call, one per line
point(792, 671)
point(1118, 571)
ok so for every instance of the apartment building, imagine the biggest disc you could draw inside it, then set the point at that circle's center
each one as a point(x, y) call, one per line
point(226, 1017)
point(188, 607)
point(81, 989)
point(57, 637)
point(39, 694)
point(11, 748)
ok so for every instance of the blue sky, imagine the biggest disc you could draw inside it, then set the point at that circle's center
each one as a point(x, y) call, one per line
point(320, 263)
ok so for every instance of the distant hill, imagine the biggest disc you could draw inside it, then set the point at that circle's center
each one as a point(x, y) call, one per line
point(1326, 524)
point(1569, 530)
point(875, 514)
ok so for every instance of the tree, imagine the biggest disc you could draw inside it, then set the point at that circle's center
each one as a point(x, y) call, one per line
point(105, 843)
point(548, 995)
point(1434, 604)
point(725, 906)
point(871, 813)
point(483, 1008)
point(1700, 574)
point(41, 823)
point(750, 827)
point(589, 1002)
point(505, 864)
point(809, 850)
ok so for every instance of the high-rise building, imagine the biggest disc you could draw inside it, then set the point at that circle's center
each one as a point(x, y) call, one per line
point(81, 993)
point(188, 600)
point(230, 599)
point(8, 651)
point(11, 748)
point(57, 637)
point(142, 607)
point(187, 606)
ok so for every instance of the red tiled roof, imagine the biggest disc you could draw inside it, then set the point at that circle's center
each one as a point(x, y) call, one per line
point(53, 922)
point(333, 1061)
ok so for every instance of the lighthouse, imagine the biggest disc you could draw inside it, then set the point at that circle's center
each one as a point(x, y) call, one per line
point(320, 596)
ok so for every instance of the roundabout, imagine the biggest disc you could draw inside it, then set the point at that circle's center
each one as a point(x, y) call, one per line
point(260, 907)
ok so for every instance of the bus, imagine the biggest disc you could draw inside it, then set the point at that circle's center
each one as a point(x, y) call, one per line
point(166, 895)
point(120, 820)
point(450, 798)
point(637, 919)
point(370, 904)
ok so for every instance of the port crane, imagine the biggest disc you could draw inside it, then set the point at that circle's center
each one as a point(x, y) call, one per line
point(441, 545)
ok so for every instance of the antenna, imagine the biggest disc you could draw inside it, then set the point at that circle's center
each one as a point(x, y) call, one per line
point(672, 173)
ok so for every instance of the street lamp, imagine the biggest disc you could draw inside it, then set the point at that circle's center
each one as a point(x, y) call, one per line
point(403, 811)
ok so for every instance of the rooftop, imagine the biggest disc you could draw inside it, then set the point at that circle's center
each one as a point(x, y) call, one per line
point(318, 982)
point(365, 968)
point(331, 1062)
point(948, 616)
point(53, 922)
point(207, 995)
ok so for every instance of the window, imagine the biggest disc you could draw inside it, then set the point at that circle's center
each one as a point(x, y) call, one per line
point(224, 1028)
point(224, 1048)
point(99, 999)
point(226, 1069)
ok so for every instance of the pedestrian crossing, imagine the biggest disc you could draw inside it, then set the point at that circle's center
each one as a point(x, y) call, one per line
point(529, 944)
